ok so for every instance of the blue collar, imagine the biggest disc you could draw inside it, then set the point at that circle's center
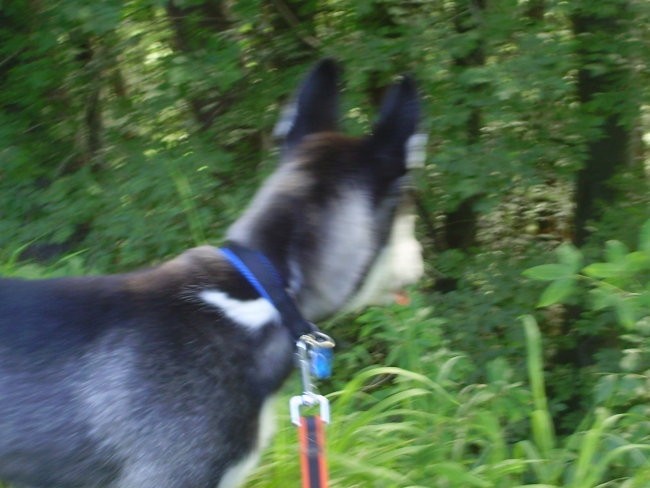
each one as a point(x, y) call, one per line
point(267, 281)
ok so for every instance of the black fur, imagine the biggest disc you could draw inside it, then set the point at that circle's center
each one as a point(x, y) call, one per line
point(135, 380)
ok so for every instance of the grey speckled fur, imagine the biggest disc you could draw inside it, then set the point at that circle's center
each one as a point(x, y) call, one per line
point(164, 377)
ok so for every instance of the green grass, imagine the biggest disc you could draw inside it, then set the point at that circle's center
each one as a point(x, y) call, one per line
point(426, 431)
point(69, 265)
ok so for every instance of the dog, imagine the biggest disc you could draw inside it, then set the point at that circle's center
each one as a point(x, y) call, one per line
point(164, 377)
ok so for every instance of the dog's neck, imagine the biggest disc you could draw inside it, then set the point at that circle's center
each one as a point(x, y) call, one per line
point(263, 275)
point(268, 226)
point(278, 239)
point(321, 250)
point(277, 253)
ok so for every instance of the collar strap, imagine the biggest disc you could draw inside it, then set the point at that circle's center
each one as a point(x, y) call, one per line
point(267, 281)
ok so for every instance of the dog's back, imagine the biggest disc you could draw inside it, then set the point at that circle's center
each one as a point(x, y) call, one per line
point(100, 372)
point(164, 377)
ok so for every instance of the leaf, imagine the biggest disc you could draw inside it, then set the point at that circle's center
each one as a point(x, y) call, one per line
point(571, 256)
point(626, 312)
point(458, 475)
point(548, 272)
point(543, 431)
point(636, 262)
point(615, 251)
point(587, 450)
point(605, 388)
point(557, 292)
point(601, 298)
point(603, 270)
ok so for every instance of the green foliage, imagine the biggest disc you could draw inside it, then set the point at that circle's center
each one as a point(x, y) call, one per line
point(132, 130)
point(73, 264)
point(562, 275)
point(392, 427)
point(88, 88)
point(621, 284)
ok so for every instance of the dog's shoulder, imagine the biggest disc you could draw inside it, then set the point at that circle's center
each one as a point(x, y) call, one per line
point(206, 279)
point(188, 276)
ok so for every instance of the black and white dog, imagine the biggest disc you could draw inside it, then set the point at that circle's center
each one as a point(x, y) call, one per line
point(163, 378)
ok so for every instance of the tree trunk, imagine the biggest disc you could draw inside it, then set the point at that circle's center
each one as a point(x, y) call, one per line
point(603, 90)
point(461, 224)
point(191, 26)
point(293, 20)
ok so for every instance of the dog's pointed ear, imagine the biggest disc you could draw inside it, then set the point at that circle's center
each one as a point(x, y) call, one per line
point(396, 124)
point(315, 107)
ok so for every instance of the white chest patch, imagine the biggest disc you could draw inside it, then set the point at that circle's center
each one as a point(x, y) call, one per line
point(236, 474)
point(399, 264)
point(252, 314)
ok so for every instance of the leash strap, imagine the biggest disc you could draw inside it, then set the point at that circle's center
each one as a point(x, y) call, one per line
point(267, 281)
point(312, 456)
point(314, 352)
point(311, 351)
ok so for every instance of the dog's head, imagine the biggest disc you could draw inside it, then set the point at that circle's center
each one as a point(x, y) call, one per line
point(331, 217)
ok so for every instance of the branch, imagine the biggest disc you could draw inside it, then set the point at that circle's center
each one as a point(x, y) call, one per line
point(294, 22)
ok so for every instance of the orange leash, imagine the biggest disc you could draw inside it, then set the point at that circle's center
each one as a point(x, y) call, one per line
point(313, 465)
point(314, 356)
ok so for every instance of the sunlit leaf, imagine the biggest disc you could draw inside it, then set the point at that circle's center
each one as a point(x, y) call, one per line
point(603, 270)
point(569, 255)
point(548, 272)
point(615, 251)
point(557, 292)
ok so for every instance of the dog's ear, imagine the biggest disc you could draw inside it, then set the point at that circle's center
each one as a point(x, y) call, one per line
point(315, 107)
point(396, 124)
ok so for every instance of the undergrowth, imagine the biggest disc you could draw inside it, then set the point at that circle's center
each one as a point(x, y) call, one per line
point(423, 413)
point(393, 427)
point(411, 409)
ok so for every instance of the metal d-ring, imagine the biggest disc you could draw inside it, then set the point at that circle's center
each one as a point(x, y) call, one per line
point(309, 397)
point(318, 339)
point(309, 400)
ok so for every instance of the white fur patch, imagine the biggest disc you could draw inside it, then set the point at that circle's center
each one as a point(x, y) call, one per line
point(252, 314)
point(236, 474)
point(416, 151)
point(347, 247)
point(286, 122)
point(267, 423)
point(398, 265)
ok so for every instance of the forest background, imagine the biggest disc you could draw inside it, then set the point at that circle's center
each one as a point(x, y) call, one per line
point(131, 130)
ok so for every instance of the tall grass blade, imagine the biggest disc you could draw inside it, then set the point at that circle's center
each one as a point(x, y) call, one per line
point(541, 423)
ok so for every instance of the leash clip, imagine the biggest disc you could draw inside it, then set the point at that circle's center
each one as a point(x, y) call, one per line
point(309, 400)
point(314, 353)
